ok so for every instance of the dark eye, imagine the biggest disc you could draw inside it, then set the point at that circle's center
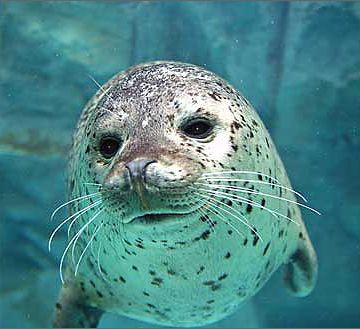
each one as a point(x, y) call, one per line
point(198, 128)
point(109, 146)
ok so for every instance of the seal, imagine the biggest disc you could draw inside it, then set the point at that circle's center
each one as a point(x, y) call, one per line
point(180, 206)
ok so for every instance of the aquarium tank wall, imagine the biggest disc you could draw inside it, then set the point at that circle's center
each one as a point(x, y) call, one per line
point(298, 63)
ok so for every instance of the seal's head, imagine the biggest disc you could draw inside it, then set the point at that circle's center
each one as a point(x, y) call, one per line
point(153, 131)
point(181, 162)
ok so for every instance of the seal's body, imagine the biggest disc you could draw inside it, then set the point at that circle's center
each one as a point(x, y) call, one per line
point(182, 209)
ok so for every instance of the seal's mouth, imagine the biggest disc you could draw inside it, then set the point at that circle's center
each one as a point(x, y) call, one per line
point(159, 218)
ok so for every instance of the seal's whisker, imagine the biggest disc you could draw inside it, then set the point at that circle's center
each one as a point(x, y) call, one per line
point(123, 236)
point(105, 93)
point(76, 215)
point(235, 197)
point(250, 191)
point(71, 242)
point(216, 213)
point(100, 87)
point(93, 205)
point(244, 221)
point(235, 172)
point(71, 201)
point(93, 184)
point(212, 209)
point(226, 179)
point(240, 218)
point(86, 225)
point(208, 220)
point(86, 247)
point(98, 263)
point(113, 113)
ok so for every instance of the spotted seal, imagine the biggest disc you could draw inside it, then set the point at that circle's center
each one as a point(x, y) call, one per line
point(180, 207)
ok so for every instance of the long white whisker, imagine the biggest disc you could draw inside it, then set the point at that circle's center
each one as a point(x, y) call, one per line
point(74, 220)
point(71, 201)
point(100, 86)
point(250, 191)
point(225, 179)
point(245, 222)
point(235, 197)
point(209, 221)
point(233, 172)
point(86, 247)
point(82, 230)
point(210, 207)
point(76, 215)
point(70, 243)
point(93, 184)
point(98, 263)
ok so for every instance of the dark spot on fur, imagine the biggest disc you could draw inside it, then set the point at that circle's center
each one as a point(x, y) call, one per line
point(237, 125)
point(99, 294)
point(202, 268)
point(245, 242)
point(157, 281)
point(122, 279)
point(146, 294)
point(267, 265)
point(267, 142)
point(222, 277)
point(227, 256)
point(266, 248)
point(229, 232)
point(288, 213)
point(284, 249)
point(204, 218)
point(249, 208)
point(58, 306)
point(134, 268)
point(205, 235)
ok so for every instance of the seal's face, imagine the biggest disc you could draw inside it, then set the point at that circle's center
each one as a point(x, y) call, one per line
point(150, 144)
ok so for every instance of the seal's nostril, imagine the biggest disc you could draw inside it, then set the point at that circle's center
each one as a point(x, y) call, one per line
point(137, 168)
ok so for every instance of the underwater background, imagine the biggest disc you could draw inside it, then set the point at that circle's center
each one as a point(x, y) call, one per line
point(298, 63)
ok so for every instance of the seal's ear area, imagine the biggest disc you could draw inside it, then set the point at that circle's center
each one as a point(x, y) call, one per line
point(72, 312)
point(302, 268)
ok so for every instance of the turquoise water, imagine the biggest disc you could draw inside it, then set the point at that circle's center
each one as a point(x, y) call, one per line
point(297, 63)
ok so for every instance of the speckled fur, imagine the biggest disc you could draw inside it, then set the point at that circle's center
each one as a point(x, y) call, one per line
point(183, 272)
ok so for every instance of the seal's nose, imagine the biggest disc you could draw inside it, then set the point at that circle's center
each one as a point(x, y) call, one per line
point(137, 168)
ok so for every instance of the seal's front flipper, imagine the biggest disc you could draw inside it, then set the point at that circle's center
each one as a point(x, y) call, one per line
point(301, 271)
point(73, 312)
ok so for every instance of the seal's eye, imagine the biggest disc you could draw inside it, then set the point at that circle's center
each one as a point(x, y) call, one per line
point(198, 128)
point(109, 146)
